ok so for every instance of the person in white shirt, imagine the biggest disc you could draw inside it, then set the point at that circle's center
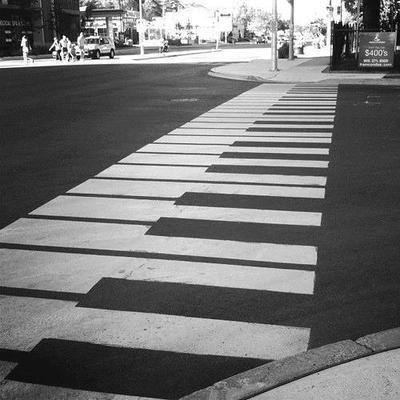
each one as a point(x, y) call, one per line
point(25, 49)
point(64, 47)
point(81, 46)
point(57, 48)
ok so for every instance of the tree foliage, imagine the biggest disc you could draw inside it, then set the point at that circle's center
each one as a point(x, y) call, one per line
point(376, 14)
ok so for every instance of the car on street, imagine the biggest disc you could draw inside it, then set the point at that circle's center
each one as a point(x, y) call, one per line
point(97, 46)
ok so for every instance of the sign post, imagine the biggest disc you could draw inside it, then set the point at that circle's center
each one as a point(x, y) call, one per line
point(376, 49)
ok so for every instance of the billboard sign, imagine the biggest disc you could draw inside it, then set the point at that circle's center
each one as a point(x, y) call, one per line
point(377, 49)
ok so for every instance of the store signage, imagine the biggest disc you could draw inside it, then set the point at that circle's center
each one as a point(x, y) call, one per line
point(377, 49)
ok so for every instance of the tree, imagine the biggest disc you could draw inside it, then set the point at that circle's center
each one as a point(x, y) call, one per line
point(370, 10)
point(90, 6)
point(389, 15)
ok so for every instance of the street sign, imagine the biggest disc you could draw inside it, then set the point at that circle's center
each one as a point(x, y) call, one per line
point(377, 49)
point(225, 22)
point(141, 25)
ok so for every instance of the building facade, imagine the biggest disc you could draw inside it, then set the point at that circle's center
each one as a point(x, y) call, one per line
point(39, 20)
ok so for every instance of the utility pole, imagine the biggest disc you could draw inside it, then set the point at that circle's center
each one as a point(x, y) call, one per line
point(274, 44)
point(291, 31)
point(141, 28)
point(358, 26)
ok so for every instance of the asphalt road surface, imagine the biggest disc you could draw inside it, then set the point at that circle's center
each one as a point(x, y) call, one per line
point(209, 249)
point(61, 126)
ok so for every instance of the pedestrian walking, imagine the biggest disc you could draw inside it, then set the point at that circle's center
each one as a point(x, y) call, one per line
point(81, 46)
point(64, 49)
point(26, 48)
point(56, 49)
point(70, 51)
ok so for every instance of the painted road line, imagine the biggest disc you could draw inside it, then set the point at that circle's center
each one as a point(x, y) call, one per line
point(250, 202)
point(230, 125)
point(201, 160)
point(174, 190)
point(26, 321)
point(305, 107)
point(193, 139)
point(244, 133)
point(218, 149)
point(152, 210)
point(225, 160)
point(170, 159)
point(18, 389)
point(269, 252)
point(58, 272)
point(260, 128)
point(209, 131)
point(110, 236)
point(198, 174)
point(72, 234)
point(265, 170)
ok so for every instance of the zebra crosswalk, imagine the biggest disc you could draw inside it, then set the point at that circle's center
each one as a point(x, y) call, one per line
point(186, 262)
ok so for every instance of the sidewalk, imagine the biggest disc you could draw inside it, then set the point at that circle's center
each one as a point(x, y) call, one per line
point(365, 369)
point(48, 61)
point(311, 70)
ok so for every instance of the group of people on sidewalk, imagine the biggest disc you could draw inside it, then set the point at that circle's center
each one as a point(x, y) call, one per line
point(65, 50)
point(62, 50)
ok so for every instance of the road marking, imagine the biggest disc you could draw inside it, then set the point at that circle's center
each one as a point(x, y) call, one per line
point(26, 321)
point(152, 210)
point(218, 149)
point(199, 174)
point(33, 269)
point(174, 190)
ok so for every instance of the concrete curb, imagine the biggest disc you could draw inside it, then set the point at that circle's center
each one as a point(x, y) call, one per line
point(277, 373)
point(175, 54)
point(238, 77)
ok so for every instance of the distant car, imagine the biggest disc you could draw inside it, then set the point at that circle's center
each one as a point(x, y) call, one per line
point(261, 39)
point(97, 46)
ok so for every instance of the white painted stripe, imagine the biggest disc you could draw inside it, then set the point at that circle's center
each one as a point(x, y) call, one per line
point(252, 134)
point(264, 252)
point(272, 162)
point(300, 113)
point(172, 159)
point(189, 159)
point(225, 119)
point(268, 117)
point(261, 118)
point(192, 139)
point(23, 390)
point(177, 189)
point(117, 237)
point(43, 270)
point(197, 174)
point(72, 234)
point(238, 125)
point(291, 125)
point(297, 105)
point(211, 132)
point(218, 149)
point(27, 321)
point(152, 210)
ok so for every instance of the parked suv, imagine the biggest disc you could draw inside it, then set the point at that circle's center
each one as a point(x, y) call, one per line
point(96, 46)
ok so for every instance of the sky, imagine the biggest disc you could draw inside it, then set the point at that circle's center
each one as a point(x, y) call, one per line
point(304, 10)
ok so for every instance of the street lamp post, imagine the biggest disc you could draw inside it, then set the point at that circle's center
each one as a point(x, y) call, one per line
point(274, 44)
